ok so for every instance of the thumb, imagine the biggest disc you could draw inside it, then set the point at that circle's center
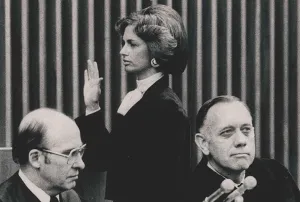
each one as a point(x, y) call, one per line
point(99, 80)
point(96, 81)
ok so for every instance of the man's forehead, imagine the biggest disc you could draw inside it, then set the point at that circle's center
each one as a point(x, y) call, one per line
point(65, 134)
point(228, 113)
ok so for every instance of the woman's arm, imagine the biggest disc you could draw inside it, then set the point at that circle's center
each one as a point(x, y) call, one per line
point(92, 126)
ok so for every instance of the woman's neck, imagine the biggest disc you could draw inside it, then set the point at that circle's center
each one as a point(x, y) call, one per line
point(145, 74)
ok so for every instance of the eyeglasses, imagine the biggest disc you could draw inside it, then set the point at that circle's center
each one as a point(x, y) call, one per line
point(71, 157)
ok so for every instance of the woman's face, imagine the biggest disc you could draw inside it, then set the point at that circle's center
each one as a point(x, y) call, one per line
point(135, 55)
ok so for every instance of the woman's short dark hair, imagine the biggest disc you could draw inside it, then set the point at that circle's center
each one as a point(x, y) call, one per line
point(202, 113)
point(161, 27)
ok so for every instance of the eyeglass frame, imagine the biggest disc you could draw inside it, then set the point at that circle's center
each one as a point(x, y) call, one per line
point(82, 147)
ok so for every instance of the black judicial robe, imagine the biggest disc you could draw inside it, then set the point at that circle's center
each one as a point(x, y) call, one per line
point(14, 190)
point(274, 183)
point(146, 155)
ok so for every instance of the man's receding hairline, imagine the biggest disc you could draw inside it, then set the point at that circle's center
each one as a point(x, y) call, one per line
point(209, 115)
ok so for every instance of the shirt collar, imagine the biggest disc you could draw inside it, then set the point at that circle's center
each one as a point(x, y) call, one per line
point(38, 192)
point(213, 169)
point(146, 83)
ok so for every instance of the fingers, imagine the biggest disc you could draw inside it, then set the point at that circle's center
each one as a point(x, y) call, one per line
point(96, 70)
point(93, 72)
point(86, 77)
point(97, 81)
point(89, 69)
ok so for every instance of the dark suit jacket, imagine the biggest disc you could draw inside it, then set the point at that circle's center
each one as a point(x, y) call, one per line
point(14, 190)
point(147, 152)
point(274, 183)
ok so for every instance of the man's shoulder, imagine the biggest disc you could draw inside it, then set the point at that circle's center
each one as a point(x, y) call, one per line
point(202, 164)
point(269, 164)
point(70, 196)
point(202, 174)
point(269, 167)
point(8, 188)
point(9, 191)
point(275, 177)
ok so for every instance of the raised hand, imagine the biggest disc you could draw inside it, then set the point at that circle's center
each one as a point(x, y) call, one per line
point(92, 88)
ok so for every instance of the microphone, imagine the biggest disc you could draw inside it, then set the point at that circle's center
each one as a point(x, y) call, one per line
point(226, 186)
point(249, 183)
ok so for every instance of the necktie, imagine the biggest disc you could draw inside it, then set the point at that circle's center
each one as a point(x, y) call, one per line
point(53, 199)
point(129, 101)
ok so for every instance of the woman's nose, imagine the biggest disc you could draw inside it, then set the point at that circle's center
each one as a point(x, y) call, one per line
point(124, 51)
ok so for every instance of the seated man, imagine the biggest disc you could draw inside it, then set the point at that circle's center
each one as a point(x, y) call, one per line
point(226, 138)
point(49, 150)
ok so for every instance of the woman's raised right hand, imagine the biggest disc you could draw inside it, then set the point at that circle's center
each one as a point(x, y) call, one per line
point(92, 86)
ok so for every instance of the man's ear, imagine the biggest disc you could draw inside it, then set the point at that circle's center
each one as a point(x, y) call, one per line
point(202, 143)
point(34, 158)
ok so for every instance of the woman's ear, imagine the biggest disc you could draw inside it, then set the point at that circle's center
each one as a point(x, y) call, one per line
point(34, 157)
point(154, 63)
point(202, 143)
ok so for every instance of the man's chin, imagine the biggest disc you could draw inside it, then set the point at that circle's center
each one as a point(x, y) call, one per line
point(242, 166)
point(70, 185)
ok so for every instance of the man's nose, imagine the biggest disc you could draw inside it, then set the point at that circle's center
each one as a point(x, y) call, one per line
point(79, 163)
point(240, 138)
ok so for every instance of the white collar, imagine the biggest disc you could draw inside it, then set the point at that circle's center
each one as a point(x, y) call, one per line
point(38, 192)
point(213, 169)
point(146, 83)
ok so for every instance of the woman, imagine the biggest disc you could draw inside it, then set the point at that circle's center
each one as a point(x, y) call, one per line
point(146, 153)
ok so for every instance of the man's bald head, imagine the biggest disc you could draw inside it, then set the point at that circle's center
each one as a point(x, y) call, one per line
point(40, 127)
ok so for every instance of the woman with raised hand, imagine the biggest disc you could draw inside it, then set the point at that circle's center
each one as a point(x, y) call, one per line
point(146, 153)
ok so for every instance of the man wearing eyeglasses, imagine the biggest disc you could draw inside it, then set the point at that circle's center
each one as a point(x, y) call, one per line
point(49, 150)
point(225, 135)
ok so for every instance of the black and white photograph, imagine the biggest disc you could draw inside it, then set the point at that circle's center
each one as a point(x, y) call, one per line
point(149, 100)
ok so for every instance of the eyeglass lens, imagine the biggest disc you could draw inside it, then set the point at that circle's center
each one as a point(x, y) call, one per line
point(74, 154)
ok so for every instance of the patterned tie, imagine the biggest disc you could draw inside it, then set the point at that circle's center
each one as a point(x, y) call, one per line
point(129, 101)
point(53, 199)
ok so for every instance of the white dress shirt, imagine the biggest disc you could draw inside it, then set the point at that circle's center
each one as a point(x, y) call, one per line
point(134, 96)
point(146, 83)
point(38, 192)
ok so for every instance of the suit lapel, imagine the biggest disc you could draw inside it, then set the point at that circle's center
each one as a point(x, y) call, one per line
point(150, 94)
point(157, 87)
point(22, 192)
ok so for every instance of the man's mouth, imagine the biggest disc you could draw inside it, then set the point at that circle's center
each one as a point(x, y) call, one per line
point(240, 154)
point(75, 177)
